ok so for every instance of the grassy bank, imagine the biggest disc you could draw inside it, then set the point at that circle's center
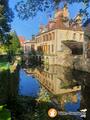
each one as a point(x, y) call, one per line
point(3, 65)
point(4, 113)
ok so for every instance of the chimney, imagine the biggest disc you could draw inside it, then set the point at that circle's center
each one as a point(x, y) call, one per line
point(33, 37)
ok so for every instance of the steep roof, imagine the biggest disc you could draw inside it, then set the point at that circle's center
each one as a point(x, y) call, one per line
point(21, 39)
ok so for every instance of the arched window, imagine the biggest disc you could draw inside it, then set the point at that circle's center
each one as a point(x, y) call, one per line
point(50, 36)
point(46, 37)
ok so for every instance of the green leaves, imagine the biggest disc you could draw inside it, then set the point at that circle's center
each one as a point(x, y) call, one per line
point(29, 8)
point(6, 16)
point(14, 44)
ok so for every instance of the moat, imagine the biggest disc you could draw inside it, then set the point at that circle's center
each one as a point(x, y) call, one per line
point(30, 92)
point(60, 86)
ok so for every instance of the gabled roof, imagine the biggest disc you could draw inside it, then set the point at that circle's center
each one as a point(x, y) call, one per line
point(21, 39)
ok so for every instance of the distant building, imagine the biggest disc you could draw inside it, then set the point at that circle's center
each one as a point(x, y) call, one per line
point(29, 45)
point(21, 40)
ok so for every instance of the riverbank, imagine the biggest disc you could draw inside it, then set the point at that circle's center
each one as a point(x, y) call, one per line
point(5, 64)
point(4, 113)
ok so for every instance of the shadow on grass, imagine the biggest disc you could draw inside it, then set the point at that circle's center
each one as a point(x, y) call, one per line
point(4, 113)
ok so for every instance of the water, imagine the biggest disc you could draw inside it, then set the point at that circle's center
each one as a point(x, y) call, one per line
point(72, 106)
point(28, 86)
point(60, 83)
point(57, 83)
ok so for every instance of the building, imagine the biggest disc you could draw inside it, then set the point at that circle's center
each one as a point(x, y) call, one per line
point(57, 79)
point(87, 39)
point(54, 37)
point(22, 41)
point(29, 45)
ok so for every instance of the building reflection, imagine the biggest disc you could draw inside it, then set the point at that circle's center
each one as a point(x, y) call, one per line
point(57, 79)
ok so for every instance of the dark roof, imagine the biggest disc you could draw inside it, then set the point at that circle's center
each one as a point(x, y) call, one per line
point(76, 47)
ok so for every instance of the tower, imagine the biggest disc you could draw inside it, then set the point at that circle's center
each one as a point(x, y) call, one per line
point(78, 19)
point(65, 12)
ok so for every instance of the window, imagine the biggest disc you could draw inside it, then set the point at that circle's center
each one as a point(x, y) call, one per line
point(74, 36)
point(52, 48)
point(46, 37)
point(53, 35)
point(32, 47)
point(48, 48)
point(36, 39)
point(50, 36)
point(39, 39)
point(43, 48)
point(52, 77)
point(43, 38)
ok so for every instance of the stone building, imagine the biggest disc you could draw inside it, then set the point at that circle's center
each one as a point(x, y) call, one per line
point(29, 45)
point(53, 37)
point(57, 79)
point(87, 39)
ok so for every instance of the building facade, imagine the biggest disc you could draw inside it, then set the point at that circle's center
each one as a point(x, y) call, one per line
point(52, 37)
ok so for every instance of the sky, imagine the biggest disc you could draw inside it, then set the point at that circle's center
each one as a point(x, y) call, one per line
point(31, 27)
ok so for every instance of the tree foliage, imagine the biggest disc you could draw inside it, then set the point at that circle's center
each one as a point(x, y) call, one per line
point(6, 16)
point(29, 8)
point(14, 44)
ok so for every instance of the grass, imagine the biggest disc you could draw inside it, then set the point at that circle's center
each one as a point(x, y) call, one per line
point(3, 65)
point(4, 114)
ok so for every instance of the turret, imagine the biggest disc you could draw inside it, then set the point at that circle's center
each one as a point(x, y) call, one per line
point(78, 19)
point(65, 12)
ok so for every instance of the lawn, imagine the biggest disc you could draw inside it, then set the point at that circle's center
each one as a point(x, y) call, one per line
point(4, 113)
point(3, 65)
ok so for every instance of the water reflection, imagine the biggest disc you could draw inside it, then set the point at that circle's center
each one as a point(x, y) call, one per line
point(28, 86)
point(56, 79)
point(65, 85)
point(73, 105)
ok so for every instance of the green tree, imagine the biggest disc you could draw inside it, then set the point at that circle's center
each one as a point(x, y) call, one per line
point(14, 43)
point(6, 17)
point(29, 8)
point(13, 46)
